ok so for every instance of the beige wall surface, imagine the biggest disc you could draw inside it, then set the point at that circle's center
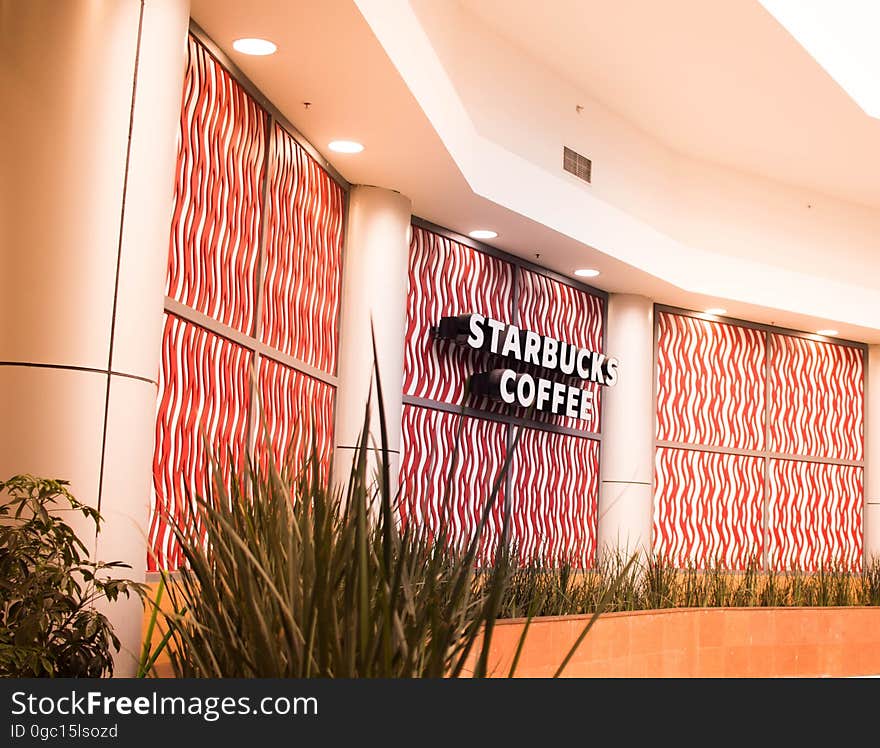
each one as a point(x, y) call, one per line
point(91, 100)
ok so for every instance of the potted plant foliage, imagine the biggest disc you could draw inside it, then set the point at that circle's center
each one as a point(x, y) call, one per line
point(49, 587)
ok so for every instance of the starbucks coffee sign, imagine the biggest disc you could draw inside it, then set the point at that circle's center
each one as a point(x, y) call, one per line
point(547, 354)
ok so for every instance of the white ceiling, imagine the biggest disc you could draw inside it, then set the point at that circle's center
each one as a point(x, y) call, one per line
point(721, 81)
point(329, 56)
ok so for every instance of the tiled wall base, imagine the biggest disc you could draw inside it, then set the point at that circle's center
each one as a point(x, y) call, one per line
point(708, 643)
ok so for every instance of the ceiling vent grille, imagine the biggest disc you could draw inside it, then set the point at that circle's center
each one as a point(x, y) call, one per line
point(574, 163)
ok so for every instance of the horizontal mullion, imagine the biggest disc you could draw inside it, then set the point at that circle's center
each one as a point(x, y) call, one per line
point(757, 453)
point(422, 402)
point(178, 309)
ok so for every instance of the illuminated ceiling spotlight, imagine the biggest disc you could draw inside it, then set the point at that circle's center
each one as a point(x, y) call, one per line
point(345, 146)
point(829, 333)
point(715, 311)
point(483, 234)
point(255, 47)
point(586, 273)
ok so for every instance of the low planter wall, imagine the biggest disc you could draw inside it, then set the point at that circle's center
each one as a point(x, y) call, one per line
point(697, 642)
point(685, 642)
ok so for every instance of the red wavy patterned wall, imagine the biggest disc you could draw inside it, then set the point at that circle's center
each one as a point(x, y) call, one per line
point(713, 381)
point(710, 383)
point(205, 382)
point(215, 229)
point(708, 508)
point(448, 278)
point(560, 311)
point(815, 515)
point(554, 477)
point(816, 398)
point(204, 393)
point(554, 491)
point(448, 468)
point(295, 409)
point(303, 261)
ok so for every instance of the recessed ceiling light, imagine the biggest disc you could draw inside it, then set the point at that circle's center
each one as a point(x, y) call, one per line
point(716, 310)
point(483, 234)
point(586, 273)
point(257, 47)
point(827, 333)
point(345, 146)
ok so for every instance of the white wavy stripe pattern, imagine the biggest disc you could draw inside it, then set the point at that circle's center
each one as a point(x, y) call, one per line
point(706, 395)
point(295, 408)
point(816, 396)
point(815, 515)
point(303, 255)
point(204, 394)
point(560, 311)
point(217, 202)
point(710, 383)
point(557, 476)
point(708, 508)
point(429, 450)
point(448, 278)
point(554, 490)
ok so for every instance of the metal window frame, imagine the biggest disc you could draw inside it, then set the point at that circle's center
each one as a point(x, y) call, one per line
point(512, 422)
point(503, 418)
point(251, 340)
point(764, 454)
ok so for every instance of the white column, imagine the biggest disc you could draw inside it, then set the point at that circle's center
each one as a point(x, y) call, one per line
point(374, 290)
point(872, 455)
point(627, 462)
point(88, 144)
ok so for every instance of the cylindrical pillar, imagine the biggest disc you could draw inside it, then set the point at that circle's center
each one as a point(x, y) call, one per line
point(872, 456)
point(627, 461)
point(374, 292)
point(91, 99)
